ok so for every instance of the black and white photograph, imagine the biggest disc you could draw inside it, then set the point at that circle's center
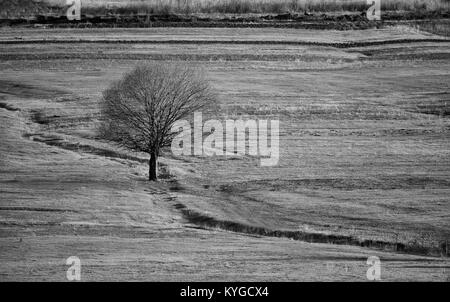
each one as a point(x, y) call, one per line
point(198, 142)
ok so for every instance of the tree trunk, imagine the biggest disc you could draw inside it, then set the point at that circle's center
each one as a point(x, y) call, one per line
point(152, 166)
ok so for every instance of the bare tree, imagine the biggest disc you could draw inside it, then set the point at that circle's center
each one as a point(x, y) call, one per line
point(139, 110)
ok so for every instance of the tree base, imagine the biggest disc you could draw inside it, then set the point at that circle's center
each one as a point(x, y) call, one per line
point(152, 167)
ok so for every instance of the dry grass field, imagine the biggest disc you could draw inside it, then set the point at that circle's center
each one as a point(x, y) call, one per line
point(364, 167)
point(22, 8)
point(259, 6)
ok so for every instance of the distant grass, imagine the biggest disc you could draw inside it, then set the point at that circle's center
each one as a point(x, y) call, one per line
point(438, 27)
point(261, 6)
point(24, 8)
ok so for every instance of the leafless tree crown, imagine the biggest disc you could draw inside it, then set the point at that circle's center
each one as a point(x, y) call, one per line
point(139, 110)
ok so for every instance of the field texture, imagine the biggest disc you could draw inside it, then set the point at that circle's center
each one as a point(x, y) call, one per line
point(249, 6)
point(211, 8)
point(364, 167)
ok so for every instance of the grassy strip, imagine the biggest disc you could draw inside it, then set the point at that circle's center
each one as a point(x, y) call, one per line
point(265, 6)
point(24, 8)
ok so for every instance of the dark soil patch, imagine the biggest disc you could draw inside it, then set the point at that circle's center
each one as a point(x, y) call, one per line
point(25, 90)
point(8, 107)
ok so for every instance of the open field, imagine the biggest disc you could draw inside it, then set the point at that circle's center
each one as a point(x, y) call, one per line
point(251, 6)
point(364, 167)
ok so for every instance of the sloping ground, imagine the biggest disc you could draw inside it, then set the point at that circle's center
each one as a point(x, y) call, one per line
point(57, 203)
point(64, 193)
